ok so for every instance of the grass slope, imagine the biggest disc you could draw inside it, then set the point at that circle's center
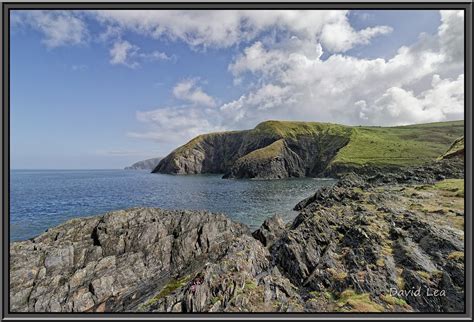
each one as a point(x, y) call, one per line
point(292, 130)
point(270, 151)
point(398, 146)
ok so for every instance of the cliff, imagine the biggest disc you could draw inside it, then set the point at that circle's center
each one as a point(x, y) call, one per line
point(279, 149)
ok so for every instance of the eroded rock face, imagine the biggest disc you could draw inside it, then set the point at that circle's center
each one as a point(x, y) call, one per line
point(111, 262)
point(256, 154)
point(211, 153)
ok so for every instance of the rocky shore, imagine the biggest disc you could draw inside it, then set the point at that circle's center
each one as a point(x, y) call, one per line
point(375, 242)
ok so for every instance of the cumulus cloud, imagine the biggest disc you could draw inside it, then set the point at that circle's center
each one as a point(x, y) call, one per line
point(340, 36)
point(397, 106)
point(451, 35)
point(59, 27)
point(221, 29)
point(188, 90)
point(412, 86)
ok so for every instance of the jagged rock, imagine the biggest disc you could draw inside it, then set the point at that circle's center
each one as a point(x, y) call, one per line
point(242, 281)
point(113, 260)
point(271, 229)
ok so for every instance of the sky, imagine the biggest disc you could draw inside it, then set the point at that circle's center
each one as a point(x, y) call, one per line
point(103, 89)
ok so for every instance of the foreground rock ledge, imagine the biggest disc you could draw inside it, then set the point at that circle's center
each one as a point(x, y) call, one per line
point(350, 248)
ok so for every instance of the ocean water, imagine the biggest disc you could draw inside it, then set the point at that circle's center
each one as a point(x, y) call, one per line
point(40, 199)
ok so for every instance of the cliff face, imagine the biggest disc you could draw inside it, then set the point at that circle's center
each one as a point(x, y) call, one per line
point(270, 151)
point(354, 247)
point(278, 149)
point(208, 153)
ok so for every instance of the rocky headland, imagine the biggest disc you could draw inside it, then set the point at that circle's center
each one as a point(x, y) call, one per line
point(282, 149)
point(360, 246)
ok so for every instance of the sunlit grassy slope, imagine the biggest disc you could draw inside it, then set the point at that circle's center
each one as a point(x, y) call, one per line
point(403, 145)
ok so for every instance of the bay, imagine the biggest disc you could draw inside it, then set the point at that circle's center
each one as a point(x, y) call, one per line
point(40, 199)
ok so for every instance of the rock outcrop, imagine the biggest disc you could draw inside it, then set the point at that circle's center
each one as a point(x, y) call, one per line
point(278, 149)
point(148, 164)
point(361, 245)
point(114, 262)
point(456, 150)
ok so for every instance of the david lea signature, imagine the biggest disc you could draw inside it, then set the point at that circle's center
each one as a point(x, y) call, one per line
point(428, 292)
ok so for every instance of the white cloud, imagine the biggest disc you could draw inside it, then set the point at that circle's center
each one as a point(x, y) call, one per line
point(340, 36)
point(225, 28)
point(59, 27)
point(451, 34)
point(397, 106)
point(127, 54)
point(121, 53)
point(157, 55)
point(353, 90)
point(188, 90)
point(176, 124)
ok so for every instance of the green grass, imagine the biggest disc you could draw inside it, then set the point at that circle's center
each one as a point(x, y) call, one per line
point(358, 302)
point(168, 289)
point(286, 129)
point(393, 300)
point(398, 146)
point(452, 185)
point(270, 151)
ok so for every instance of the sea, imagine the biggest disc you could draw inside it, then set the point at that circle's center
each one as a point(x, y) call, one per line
point(41, 199)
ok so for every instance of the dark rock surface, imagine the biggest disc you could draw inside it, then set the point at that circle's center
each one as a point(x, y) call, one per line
point(271, 230)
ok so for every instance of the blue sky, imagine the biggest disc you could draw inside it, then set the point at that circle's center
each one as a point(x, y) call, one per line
point(105, 89)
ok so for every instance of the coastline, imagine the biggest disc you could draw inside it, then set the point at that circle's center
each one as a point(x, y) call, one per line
point(350, 245)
